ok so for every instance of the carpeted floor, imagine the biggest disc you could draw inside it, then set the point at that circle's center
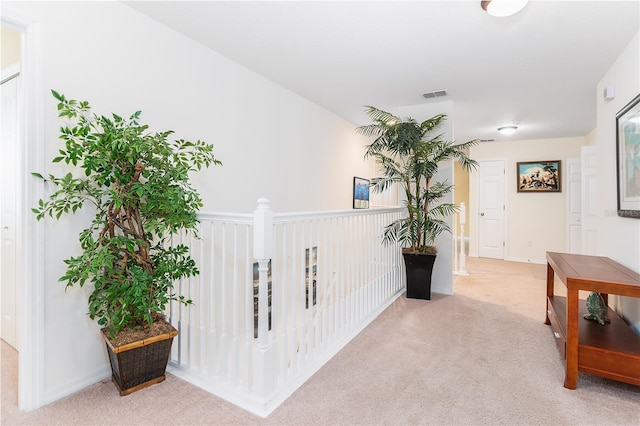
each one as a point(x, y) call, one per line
point(481, 357)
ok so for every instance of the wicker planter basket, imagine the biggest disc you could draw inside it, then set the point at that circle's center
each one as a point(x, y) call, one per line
point(140, 364)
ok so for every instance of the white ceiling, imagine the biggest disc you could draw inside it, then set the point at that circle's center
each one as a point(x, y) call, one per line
point(539, 67)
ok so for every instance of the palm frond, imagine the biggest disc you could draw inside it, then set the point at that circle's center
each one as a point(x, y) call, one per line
point(381, 184)
point(370, 130)
point(434, 228)
point(436, 191)
point(443, 210)
point(380, 116)
point(431, 123)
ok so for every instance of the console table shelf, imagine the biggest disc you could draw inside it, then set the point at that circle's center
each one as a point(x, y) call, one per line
point(612, 350)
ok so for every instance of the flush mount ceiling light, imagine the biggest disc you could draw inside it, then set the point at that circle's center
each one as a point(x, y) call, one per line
point(507, 130)
point(503, 8)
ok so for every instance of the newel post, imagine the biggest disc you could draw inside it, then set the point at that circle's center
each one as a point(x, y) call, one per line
point(264, 360)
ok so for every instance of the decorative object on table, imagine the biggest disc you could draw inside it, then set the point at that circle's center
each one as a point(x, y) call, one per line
point(628, 159)
point(597, 308)
point(137, 185)
point(538, 176)
point(360, 193)
point(409, 154)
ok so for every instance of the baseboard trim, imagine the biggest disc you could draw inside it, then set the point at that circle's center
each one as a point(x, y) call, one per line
point(523, 260)
point(77, 385)
point(442, 290)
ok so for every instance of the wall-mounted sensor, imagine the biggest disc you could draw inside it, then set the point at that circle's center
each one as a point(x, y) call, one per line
point(609, 93)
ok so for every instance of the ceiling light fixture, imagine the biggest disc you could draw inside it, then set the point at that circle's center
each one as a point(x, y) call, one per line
point(507, 130)
point(503, 8)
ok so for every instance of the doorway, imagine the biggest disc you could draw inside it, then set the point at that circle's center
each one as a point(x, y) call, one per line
point(29, 233)
point(10, 171)
point(491, 209)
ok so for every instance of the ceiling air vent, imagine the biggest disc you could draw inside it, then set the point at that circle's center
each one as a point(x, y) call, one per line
point(436, 94)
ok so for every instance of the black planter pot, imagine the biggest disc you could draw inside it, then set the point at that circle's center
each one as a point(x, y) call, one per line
point(419, 268)
point(140, 364)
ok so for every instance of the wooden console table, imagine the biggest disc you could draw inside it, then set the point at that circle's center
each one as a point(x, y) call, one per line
point(612, 350)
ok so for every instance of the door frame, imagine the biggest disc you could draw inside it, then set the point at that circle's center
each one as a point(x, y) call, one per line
point(570, 163)
point(30, 152)
point(589, 168)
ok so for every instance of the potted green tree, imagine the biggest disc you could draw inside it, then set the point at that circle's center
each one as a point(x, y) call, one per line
point(137, 184)
point(409, 154)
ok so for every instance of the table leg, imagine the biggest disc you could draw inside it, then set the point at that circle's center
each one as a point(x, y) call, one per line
point(550, 278)
point(571, 373)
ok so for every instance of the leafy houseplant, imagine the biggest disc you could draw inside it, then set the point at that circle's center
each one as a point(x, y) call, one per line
point(137, 183)
point(409, 153)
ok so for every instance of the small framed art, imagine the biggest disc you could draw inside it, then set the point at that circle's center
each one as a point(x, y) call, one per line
point(538, 176)
point(360, 193)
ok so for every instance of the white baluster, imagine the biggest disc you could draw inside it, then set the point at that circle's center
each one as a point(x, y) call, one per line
point(223, 306)
point(462, 256)
point(213, 335)
point(235, 310)
point(456, 245)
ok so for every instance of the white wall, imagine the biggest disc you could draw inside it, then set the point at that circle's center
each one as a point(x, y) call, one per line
point(590, 139)
point(10, 52)
point(618, 237)
point(272, 142)
point(536, 222)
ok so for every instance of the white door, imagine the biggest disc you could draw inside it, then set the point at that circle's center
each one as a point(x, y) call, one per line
point(574, 205)
point(491, 209)
point(589, 199)
point(8, 200)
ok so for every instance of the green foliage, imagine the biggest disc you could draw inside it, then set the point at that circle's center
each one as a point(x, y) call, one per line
point(409, 153)
point(138, 184)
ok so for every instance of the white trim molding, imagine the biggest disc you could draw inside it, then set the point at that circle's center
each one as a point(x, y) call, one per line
point(31, 383)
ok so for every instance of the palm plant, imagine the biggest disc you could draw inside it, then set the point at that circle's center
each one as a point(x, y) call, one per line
point(409, 154)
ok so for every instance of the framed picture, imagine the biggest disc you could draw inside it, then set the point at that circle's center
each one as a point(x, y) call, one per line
point(360, 193)
point(628, 159)
point(538, 176)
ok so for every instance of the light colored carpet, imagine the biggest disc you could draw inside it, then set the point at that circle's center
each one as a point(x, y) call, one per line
point(481, 357)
